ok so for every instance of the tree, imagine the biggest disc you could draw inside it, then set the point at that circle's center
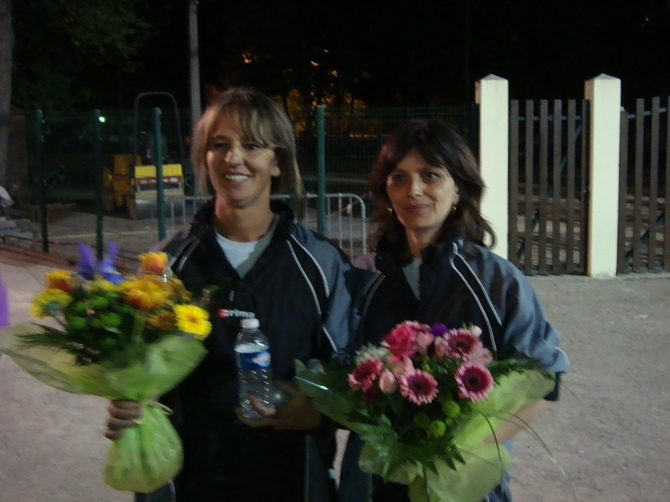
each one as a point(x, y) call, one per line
point(59, 42)
point(46, 46)
point(6, 46)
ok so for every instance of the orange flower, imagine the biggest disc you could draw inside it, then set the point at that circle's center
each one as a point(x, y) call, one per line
point(61, 279)
point(154, 263)
point(144, 295)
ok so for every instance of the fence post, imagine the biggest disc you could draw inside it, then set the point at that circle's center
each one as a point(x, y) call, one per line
point(42, 189)
point(604, 95)
point(158, 155)
point(97, 166)
point(321, 170)
point(492, 96)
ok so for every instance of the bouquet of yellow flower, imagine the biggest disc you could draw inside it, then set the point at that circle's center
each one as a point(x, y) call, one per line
point(423, 401)
point(117, 336)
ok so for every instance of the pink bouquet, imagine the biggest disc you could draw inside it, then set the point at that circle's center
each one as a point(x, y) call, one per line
point(423, 401)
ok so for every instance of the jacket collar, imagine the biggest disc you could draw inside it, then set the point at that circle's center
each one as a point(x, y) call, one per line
point(433, 255)
point(285, 225)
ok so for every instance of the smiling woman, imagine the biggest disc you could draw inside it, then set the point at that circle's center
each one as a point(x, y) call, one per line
point(436, 269)
point(259, 123)
point(257, 262)
point(422, 197)
point(244, 151)
point(240, 170)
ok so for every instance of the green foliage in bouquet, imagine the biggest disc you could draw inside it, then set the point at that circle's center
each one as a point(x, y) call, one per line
point(118, 337)
point(423, 402)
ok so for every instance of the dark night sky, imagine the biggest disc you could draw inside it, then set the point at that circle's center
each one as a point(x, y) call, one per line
point(414, 53)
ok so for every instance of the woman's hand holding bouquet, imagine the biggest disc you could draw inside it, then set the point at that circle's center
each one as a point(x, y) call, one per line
point(119, 337)
point(423, 401)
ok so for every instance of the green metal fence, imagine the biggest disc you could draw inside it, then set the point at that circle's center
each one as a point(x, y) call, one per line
point(353, 137)
point(65, 155)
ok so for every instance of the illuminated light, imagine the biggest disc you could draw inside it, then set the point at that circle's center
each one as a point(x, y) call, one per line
point(314, 63)
point(102, 119)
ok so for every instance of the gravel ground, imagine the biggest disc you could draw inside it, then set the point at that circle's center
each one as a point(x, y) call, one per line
point(608, 434)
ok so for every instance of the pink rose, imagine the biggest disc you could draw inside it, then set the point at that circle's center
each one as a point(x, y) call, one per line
point(441, 347)
point(401, 341)
point(402, 366)
point(388, 382)
point(481, 355)
point(424, 340)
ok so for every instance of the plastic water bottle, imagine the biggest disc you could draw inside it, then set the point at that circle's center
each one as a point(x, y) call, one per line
point(252, 354)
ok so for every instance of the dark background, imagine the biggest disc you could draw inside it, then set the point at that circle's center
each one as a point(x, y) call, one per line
point(404, 53)
point(340, 53)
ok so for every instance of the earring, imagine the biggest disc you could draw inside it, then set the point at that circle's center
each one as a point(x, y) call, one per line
point(453, 208)
point(389, 209)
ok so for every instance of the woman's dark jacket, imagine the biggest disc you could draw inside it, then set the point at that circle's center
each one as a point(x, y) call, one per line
point(460, 284)
point(298, 290)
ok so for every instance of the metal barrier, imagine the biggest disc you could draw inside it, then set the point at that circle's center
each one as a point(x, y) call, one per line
point(345, 217)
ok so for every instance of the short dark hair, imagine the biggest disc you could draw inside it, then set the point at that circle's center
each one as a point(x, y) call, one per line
point(260, 120)
point(440, 145)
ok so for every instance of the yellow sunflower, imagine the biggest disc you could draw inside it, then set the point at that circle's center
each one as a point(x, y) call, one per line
point(193, 319)
point(49, 302)
point(102, 284)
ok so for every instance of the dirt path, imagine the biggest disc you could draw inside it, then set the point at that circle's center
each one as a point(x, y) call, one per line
point(608, 433)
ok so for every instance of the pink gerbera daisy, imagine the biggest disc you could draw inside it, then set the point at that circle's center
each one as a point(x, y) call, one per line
point(474, 381)
point(418, 386)
point(461, 343)
point(363, 376)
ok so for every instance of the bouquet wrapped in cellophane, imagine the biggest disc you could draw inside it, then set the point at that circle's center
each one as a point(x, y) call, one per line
point(117, 336)
point(423, 401)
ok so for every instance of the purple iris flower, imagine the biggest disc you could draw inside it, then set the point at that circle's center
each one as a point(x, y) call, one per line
point(439, 329)
point(87, 263)
point(88, 268)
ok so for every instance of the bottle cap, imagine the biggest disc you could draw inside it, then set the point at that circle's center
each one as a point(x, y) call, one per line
point(250, 323)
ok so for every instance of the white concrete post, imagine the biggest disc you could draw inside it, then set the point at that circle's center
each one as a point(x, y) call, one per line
point(492, 95)
point(604, 94)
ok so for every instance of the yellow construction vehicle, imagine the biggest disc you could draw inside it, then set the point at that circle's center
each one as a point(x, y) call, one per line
point(132, 181)
point(129, 183)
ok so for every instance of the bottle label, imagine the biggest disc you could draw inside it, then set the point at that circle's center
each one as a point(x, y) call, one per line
point(253, 360)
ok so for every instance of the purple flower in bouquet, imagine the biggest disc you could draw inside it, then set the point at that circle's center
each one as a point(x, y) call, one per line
point(89, 268)
point(439, 329)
